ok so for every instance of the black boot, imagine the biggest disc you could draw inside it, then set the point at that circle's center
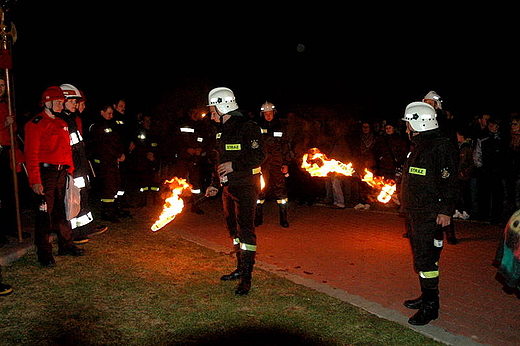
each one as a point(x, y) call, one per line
point(283, 214)
point(429, 309)
point(259, 214)
point(247, 262)
point(234, 275)
point(414, 304)
point(108, 212)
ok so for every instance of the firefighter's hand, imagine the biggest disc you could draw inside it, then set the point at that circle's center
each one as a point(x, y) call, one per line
point(443, 220)
point(225, 168)
point(285, 169)
point(122, 158)
point(9, 120)
point(211, 191)
point(38, 189)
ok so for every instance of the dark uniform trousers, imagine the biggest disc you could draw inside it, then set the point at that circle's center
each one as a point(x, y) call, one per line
point(239, 203)
point(426, 241)
point(53, 220)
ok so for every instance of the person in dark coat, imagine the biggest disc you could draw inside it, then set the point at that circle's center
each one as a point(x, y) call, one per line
point(429, 191)
point(240, 153)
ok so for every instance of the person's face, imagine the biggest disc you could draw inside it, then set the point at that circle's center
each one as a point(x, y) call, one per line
point(460, 138)
point(484, 120)
point(268, 115)
point(365, 128)
point(389, 129)
point(108, 114)
point(515, 125)
point(70, 105)
point(147, 122)
point(81, 106)
point(2, 87)
point(57, 105)
point(214, 114)
point(492, 127)
point(120, 106)
point(431, 102)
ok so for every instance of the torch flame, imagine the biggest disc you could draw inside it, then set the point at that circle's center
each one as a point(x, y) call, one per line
point(318, 165)
point(174, 204)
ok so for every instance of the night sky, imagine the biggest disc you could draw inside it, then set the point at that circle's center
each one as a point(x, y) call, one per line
point(377, 58)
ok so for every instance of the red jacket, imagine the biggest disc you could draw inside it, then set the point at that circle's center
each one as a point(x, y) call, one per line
point(5, 136)
point(46, 141)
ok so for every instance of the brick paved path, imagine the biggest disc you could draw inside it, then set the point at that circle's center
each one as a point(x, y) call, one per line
point(364, 254)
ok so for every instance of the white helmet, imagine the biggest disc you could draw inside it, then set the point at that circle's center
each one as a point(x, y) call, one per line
point(421, 116)
point(223, 99)
point(267, 106)
point(70, 91)
point(432, 95)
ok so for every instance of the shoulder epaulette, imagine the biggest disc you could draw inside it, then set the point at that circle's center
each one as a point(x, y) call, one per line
point(37, 119)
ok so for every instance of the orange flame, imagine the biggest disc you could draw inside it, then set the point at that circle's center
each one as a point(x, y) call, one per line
point(318, 165)
point(174, 204)
point(386, 187)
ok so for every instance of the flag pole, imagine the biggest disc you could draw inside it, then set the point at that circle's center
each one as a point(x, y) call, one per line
point(6, 39)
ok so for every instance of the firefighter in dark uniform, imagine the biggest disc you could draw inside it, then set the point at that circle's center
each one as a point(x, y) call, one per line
point(276, 165)
point(106, 151)
point(146, 162)
point(429, 193)
point(240, 154)
point(83, 224)
point(191, 138)
point(49, 159)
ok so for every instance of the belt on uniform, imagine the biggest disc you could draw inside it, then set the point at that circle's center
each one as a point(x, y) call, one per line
point(54, 167)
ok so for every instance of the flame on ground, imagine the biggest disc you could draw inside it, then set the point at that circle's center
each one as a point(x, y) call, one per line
point(174, 204)
point(319, 165)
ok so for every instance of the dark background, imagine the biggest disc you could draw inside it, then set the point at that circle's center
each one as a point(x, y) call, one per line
point(374, 59)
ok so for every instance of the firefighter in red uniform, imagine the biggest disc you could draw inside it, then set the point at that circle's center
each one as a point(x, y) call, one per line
point(429, 191)
point(49, 159)
point(106, 151)
point(276, 165)
point(240, 154)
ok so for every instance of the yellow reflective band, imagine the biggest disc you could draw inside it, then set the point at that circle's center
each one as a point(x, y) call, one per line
point(281, 201)
point(257, 170)
point(260, 201)
point(97, 161)
point(437, 242)
point(236, 241)
point(232, 147)
point(417, 171)
point(247, 247)
point(108, 200)
point(153, 188)
point(218, 135)
point(264, 130)
point(429, 275)
point(154, 144)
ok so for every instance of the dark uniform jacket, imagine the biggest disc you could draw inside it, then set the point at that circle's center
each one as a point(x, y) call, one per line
point(276, 143)
point(239, 141)
point(104, 144)
point(430, 177)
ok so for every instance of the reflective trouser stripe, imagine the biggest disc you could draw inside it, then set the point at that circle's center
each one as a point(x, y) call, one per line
point(429, 275)
point(281, 201)
point(247, 247)
point(108, 200)
point(244, 246)
point(81, 220)
point(260, 201)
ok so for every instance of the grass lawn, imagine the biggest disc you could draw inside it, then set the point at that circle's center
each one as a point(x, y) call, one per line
point(136, 287)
